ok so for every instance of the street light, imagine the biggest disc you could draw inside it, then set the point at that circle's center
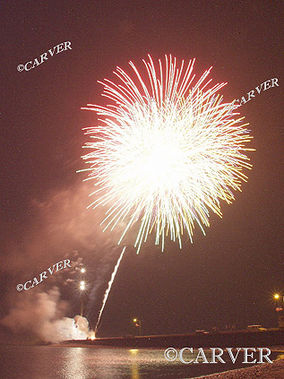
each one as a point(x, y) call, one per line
point(83, 270)
point(279, 307)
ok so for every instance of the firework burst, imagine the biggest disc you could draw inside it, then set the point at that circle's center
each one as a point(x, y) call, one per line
point(166, 151)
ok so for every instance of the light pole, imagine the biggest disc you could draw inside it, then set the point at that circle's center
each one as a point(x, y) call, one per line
point(138, 324)
point(279, 306)
point(279, 302)
point(82, 289)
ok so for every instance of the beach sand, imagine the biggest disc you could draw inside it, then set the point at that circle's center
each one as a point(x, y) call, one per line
point(260, 371)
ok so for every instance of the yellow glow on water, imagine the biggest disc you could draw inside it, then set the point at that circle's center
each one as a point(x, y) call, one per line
point(133, 351)
point(134, 365)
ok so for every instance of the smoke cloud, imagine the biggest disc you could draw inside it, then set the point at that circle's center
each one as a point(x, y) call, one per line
point(58, 227)
point(42, 314)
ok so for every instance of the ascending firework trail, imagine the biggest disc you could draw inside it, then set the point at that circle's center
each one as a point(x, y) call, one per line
point(108, 289)
point(166, 151)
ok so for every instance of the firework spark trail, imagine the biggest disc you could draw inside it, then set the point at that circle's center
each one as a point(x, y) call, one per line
point(108, 289)
point(166, 151)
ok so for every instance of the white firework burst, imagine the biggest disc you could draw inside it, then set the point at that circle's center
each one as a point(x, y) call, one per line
point(166, 151)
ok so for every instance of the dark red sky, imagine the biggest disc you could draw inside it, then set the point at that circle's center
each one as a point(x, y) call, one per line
point(227, 276)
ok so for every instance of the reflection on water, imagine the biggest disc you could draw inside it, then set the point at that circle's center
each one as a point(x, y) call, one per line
point(81, 362)
point(50, 362)
point(134, 365)
point(74, 365)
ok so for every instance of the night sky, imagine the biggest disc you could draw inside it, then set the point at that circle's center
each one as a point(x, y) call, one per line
point(226, 277)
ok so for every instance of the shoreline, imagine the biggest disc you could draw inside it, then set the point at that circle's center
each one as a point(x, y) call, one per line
point(274, 349)
point(273, 370)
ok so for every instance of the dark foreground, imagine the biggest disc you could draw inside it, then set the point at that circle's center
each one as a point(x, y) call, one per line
point(267, 371)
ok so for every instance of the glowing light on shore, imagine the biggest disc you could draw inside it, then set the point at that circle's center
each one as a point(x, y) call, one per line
point(166, 152)
point(92, 335)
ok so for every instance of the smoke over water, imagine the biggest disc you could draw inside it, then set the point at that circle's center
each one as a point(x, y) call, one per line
point(41, 314)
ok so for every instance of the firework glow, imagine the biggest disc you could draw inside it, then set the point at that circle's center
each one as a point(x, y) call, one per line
point(166, 151)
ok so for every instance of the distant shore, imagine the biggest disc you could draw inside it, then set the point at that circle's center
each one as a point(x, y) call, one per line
point(222, 339)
